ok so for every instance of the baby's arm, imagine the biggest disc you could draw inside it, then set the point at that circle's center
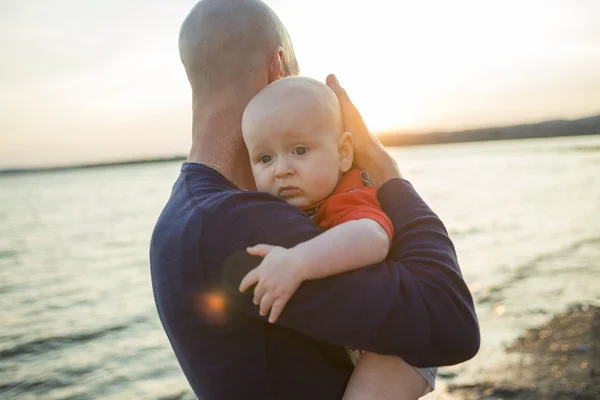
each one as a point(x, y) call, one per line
point(345, 247)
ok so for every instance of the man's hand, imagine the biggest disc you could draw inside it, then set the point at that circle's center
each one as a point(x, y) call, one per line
point(276, 279)
point(369, 154)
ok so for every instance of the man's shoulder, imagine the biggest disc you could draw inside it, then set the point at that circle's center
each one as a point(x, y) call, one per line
point(206, 194)
point(206, 209)
point(212, 219)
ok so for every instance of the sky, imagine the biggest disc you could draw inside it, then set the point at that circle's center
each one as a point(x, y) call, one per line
point(85, 81)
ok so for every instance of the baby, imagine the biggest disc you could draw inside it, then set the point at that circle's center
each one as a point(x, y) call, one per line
point(300, 153)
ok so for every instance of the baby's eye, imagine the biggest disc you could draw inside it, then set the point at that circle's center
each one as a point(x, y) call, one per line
point(300, 150)
point(265, 159)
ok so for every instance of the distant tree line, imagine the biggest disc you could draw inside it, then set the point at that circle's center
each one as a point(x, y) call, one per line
point(579, 127)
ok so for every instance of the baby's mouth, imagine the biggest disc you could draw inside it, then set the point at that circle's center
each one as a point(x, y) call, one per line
point(289, 191)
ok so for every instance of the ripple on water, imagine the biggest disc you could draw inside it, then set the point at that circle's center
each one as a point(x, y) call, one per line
point(48, 344)
point(7, 254)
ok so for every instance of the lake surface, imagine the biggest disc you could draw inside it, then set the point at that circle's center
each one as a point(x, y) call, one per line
point(77, 313)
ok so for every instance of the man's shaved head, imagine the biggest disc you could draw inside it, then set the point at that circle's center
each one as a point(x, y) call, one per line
point(231, 50)
point(231, 43)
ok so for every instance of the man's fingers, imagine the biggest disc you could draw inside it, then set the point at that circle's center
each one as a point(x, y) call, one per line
point(339, 91)
point(260, 250)
point(276, 310)
point(353, 121)
point(265, 304)
point(333, 83)
point(250, 279)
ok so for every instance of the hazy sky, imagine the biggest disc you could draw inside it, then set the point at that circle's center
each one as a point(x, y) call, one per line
point(86, 81)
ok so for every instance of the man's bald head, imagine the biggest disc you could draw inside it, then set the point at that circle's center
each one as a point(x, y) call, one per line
point(232, 43)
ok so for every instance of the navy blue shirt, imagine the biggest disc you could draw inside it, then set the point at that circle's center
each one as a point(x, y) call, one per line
point(415, 304)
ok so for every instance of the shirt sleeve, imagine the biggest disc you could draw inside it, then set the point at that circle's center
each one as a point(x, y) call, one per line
point(350, 206)
point(414, 305)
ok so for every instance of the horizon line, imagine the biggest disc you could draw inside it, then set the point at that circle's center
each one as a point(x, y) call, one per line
point(386, 135)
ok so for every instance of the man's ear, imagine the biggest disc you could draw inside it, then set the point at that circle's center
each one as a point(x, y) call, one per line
point(346, 148)
point(276, 65)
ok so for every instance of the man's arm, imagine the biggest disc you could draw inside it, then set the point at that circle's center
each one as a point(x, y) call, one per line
point(414, 305)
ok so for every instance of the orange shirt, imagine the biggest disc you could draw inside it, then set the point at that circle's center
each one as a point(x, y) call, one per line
point(351, 200)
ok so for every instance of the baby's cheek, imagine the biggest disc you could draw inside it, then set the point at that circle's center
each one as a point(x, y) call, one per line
point(327, 182)
point(262, 184)
point(268, 189)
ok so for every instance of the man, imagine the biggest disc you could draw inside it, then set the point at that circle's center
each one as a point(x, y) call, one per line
point(414, 305)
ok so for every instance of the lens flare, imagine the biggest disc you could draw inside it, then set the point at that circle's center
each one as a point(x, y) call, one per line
point(210, 306)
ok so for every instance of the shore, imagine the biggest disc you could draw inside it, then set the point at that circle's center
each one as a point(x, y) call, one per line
point(559, 360)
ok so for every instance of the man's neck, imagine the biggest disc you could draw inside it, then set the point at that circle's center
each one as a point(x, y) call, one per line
point(217, 140)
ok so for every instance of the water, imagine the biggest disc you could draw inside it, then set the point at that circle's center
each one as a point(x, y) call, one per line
point(77, 313)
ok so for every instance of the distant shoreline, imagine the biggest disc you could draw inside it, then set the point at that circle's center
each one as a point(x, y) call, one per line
point(16, 171)
point(547, 129)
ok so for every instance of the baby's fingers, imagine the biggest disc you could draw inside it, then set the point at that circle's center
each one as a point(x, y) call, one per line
point(260, 250)
point(250, 279)
point(276, 309)
point(259, 293)
point(265, 304)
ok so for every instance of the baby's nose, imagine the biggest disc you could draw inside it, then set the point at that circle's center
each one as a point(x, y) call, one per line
point(283, 168)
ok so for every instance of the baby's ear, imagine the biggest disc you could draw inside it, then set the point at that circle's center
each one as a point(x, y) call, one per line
point(346, 149)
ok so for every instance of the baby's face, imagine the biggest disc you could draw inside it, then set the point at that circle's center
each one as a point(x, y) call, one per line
point(294, 149)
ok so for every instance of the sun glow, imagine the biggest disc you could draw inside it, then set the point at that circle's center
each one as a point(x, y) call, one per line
point(112, 86)
point(433, 64)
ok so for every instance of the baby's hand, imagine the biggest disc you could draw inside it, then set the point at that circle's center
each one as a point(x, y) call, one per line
point(276, 279)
